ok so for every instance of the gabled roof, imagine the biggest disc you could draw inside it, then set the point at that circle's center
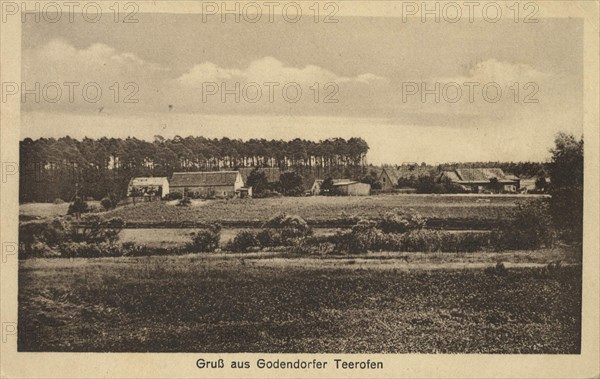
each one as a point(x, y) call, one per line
point(344, 183)
point(272, 173)
point(335, 181)
point(149, 181)
point(391, 173)
point(404, 172)
point(204, 179)
point(479, 175)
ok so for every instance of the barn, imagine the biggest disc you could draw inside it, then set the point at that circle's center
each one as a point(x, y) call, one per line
point(352, 188)
point(207, 184)
point(148, 187)
point(482, 180)
point(390, 176)
point(315, 189)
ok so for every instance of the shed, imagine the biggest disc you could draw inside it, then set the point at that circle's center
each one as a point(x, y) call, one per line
point(315, 189)
point(148, 187)
point(207, 184)
point(352, 188)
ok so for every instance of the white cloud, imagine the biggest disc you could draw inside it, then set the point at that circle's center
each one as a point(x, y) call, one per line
point(501, 72)
point(268, 69)
point(59, 61)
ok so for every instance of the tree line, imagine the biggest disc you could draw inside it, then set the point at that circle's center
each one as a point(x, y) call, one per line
point(66, 167)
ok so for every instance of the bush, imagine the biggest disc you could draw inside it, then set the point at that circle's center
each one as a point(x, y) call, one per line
point(314, 246)
point(243, 241)
point(184, 202)
point(286, 230)
point(58, 200)
point(206, 240)
point(531, 227)
point(78, 206)
point(96, 230)
point(397, 221)
point(90, 250)
point(107, 203)
point(173, 196)
point(498, 270)
point(266, 193)
point(364, 236)
point(39, 250)
point(268, 238)
point(49, 232)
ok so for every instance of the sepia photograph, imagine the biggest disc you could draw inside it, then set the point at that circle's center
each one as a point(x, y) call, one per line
point(300, 177)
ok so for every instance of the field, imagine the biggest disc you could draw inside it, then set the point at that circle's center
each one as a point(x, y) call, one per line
point(260, 303)
point(174, 238)
point(321, 208)
point(48, 209)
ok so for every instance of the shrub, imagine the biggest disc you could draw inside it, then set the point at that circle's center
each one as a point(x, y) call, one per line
point(39, 250)
point(314, 246)
point(95, 230)
point(58, 200)
point(91, 250)
point(206, 240)
point(173, 196)
point(267, 193)
point(287, 230)
point(364, 236)
point(530, 228)
point(243, 241)
point(498, 270)
point(268, 238)
point(397, 221)
point(49, 232)
point(78, 206)
point(107, 203)
point(184, 202)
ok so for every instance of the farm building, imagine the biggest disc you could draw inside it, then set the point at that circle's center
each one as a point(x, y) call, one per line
point(344, 187)
point(272, 173)
point(200, 184)
point(315, 189)
point(480, 180)
point(352, 188)
point(148, 187)
point(390, 176)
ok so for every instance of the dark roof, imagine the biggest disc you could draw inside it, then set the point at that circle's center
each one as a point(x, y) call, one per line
point(203, 179)
point(392, 173)
point(405, 172)
point(479, 175)
point(272, 173)
point(335, 181)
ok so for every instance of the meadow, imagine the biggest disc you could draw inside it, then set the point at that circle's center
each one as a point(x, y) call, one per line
point(259, 303)
point(320, 208)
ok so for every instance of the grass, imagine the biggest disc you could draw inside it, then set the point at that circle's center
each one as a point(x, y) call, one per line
point(220, 303)
point(320, 208)
point(45, 210)
point(178, 237)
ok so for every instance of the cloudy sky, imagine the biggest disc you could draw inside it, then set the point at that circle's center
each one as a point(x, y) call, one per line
point(362, 76)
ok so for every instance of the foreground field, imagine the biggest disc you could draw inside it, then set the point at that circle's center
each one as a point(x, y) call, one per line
point(321, 208)
point(257, 303)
